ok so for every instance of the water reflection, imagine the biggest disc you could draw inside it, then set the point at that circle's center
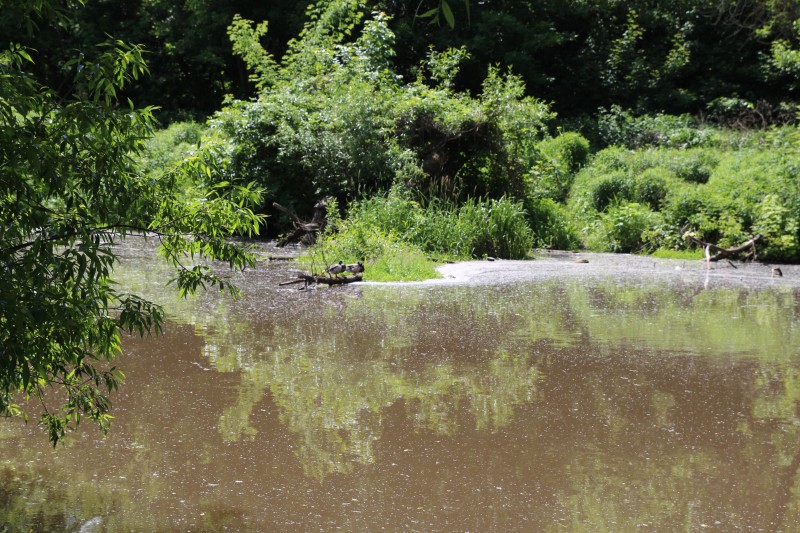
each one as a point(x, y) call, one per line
point(566, 404)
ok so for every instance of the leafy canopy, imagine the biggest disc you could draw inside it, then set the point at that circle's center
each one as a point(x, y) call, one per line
point(69, 190)
point(335, 118)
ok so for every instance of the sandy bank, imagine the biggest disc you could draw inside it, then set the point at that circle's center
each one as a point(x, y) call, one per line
point(621, 266)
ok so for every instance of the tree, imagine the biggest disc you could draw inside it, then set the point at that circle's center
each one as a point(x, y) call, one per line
point(69, 190)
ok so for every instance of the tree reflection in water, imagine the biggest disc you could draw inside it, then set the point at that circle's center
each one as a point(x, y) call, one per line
point(565, 404)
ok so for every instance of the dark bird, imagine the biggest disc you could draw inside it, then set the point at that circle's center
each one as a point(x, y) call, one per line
point(355, 268)
point(777, 272)
point(336, 269)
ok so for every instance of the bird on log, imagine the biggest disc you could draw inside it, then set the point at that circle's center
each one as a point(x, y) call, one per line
point(336, 269)
point(333, 277)
point(355, 268)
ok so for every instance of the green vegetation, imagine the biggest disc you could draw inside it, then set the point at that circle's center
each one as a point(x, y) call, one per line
point(481, 175)
point(678, 254)
point(724, 191)
point(581, 55)
point(70, 189)
point(402, 240)
point(587, 125)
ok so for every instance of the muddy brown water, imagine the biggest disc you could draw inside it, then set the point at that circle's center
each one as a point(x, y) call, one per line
point(616, 395)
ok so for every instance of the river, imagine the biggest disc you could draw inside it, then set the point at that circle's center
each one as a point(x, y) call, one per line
point(616, 395)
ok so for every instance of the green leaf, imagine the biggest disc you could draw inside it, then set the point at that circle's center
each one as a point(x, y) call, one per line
point(429, 13)
point(448, 14)
point(77, 187)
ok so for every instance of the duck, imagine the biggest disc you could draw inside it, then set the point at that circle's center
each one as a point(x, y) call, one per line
point(336, 269)
point(355, 268)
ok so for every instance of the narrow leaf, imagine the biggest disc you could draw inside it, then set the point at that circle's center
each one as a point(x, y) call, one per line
point(448, 14)
point(430, 13)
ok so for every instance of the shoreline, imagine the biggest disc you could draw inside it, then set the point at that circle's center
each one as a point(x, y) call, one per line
point(624, 267)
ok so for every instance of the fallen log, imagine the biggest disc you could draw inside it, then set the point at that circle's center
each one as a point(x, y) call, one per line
point(311, 279)
point(724, 253)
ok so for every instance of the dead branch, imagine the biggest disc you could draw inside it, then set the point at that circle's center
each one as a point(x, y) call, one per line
point(304, 231)
point(287, 211)
point(724, 253)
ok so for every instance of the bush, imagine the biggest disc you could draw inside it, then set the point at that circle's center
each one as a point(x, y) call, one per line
point(725, 191)
point(621, 228)
point(609, 188)
point(569, 151)
point(618, 127)
point(396, 235)
point(551, 225)
point(476, 229)
point(683, 206)
point(496, 228)
point(334, 119)
point(169, 147)
point(561, 157)
point(694, 166)
point(780, 228)
point(433, 228)
point(651, 187)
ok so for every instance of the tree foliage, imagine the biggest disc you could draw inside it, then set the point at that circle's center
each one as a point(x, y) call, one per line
point(70, 190)
point(581, 55)
point(334, 118)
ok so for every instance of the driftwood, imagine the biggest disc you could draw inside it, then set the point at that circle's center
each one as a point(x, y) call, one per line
point(725, 253)
point(311, 279)
point(304, 231)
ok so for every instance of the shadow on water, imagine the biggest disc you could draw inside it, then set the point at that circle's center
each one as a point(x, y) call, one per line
point(563, 403)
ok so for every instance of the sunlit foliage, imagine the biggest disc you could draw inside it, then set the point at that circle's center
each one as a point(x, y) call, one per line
point(69, 189)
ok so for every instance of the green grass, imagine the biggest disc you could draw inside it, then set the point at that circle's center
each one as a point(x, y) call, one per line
point(393, 262)
point(678, 254)
point(404, 265)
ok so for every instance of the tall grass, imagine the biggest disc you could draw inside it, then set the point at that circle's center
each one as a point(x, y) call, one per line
point(401, 239)
point(478, 228)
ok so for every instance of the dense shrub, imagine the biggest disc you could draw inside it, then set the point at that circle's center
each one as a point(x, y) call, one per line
point(608, 188)
point(561, 157)
point(651, 187)
point(167, 148)
point(551, 225)
point(621, 228)
point(724, 195)
point(682, 206)
point(496, 228)
point(695, 166)
point(569, 150)
point(780, 225)
point(334, 119)
point(618, 127)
